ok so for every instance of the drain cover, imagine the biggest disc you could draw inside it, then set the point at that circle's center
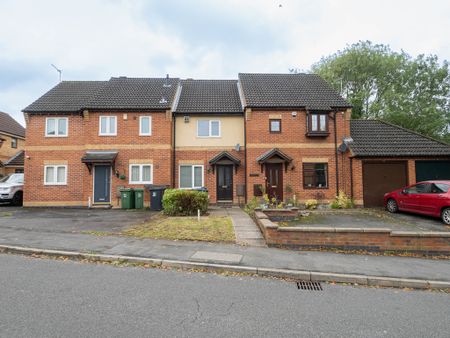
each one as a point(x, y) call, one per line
point(308, 285)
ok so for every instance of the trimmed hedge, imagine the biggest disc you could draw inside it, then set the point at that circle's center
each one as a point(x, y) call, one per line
point(178, 202)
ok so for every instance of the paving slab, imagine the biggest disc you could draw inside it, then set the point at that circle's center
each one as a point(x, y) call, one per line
point(216, 257)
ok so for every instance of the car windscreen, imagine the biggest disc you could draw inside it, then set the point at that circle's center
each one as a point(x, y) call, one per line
point(13, 178)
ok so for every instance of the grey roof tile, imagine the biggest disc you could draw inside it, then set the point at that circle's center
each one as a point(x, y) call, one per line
point(209, 96)
point(373, 138)
point(16, 161)
point(10, 126)
point(66, 96)
point(289, 91)
point(135, 93)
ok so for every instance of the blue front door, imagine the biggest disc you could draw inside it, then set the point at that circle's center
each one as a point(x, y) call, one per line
point(102, 184)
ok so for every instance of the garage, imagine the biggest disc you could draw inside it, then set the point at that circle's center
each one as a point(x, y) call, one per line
point(432, 170)
point(380, 178)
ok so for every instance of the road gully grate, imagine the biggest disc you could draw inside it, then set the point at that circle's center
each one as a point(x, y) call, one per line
point(308, 285)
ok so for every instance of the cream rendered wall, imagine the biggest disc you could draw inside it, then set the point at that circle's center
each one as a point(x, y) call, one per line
point(232, 132)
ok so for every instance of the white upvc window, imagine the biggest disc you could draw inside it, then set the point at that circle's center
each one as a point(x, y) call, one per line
point(55, 175)
point(191, 176)
point(208, 128)
point(145, 126)
point(56, 127)
point(107, 126)
point(141, 174)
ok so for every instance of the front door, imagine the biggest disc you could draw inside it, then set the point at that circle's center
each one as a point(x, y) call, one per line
point(274, 180)
point(224, 182)
point(102, 184)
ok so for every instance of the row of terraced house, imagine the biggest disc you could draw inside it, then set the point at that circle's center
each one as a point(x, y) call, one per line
point(288, 135)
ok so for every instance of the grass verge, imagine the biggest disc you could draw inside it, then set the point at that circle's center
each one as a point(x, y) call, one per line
point(209, 228)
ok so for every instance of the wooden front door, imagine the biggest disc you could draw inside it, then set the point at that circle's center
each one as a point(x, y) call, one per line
point(224, 182)
point(274, 180)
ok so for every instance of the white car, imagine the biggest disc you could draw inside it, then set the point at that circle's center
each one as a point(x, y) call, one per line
point(11, 189)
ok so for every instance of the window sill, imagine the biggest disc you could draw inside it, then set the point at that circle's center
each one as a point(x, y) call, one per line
point(137, 183)
point(315, 188)
point(317, 134)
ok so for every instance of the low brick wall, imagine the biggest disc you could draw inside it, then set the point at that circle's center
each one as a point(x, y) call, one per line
point(370, 239)
point(278, 215)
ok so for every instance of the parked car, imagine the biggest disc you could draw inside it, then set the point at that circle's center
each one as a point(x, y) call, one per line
point(428, 198)
point(11, 189)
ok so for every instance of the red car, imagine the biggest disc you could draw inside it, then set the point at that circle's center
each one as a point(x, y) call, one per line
point(428, 198)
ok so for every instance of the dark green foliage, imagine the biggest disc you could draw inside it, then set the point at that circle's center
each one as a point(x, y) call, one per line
point(177, 202)
point(392, 86)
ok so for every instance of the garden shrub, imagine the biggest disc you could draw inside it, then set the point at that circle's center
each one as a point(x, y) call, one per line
point(178, 202)
point(342, 201)
point(311, 204)
point(252, 205)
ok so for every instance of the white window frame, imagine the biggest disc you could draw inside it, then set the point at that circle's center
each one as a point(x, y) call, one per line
point(141, 173)
point(193, 175)
point(149, 126)
point(209, 129)
point(108, 133)
point(55, 168)
point(56, 126)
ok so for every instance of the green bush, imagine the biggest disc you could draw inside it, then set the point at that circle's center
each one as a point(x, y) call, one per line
point(177, 202)
point(342, 201)
point(311, 204)
point(252, 205)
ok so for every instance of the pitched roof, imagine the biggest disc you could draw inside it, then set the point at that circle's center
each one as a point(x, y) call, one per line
point(66, 96)
point(117, 93)
point(373, 138)
point(274, 152)
point(225, 155)
point(10, 126)
point(209, 96)
point(135, 93)
point(289, 91)
point(16, 161)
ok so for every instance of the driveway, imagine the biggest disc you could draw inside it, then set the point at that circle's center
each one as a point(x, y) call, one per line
point(70, 220)
point(370, 218)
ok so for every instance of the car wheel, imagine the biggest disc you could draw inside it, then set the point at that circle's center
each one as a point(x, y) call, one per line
point(392, 205)
point(445, 215)
point(17, 199)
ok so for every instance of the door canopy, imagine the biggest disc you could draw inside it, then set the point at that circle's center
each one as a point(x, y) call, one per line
point(274, 155)
point(99, 157)
point(225, 158)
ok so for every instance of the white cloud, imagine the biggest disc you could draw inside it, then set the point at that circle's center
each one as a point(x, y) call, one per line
point(96, 39)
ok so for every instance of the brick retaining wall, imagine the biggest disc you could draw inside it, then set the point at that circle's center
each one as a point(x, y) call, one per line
point(370, 239)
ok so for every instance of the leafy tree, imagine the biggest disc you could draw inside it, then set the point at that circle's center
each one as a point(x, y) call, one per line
point(380, 83)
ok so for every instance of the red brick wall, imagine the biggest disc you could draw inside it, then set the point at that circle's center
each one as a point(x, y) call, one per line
point(210, 175)
point(83, 135)
point(294, 143)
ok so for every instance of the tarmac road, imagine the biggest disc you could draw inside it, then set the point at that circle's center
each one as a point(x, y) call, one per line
point(51, 298)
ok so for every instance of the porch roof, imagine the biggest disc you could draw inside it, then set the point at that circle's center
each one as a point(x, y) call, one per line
point(104, 157)
point(274, 152)
point(224, 155)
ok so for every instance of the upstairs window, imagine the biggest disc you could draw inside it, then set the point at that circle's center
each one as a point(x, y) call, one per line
point(56, 126)
point(208, 128)
point(315, 175)
point(108, 126)
point(318, 123)
point(145, 126)
point(13, 142)
point(275, 126)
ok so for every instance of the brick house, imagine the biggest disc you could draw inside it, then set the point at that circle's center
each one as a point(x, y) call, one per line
point(289, 135)
point(12, 143)
point(88, 139)
point(294, 125)
point(209, 139)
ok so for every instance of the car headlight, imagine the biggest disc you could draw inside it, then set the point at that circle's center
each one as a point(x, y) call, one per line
point(5, 190)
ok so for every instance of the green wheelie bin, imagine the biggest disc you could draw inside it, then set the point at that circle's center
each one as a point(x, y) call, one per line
point(127, 198)
point(139, 198)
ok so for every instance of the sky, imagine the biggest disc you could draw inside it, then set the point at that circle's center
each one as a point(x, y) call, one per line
point(97, 39)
